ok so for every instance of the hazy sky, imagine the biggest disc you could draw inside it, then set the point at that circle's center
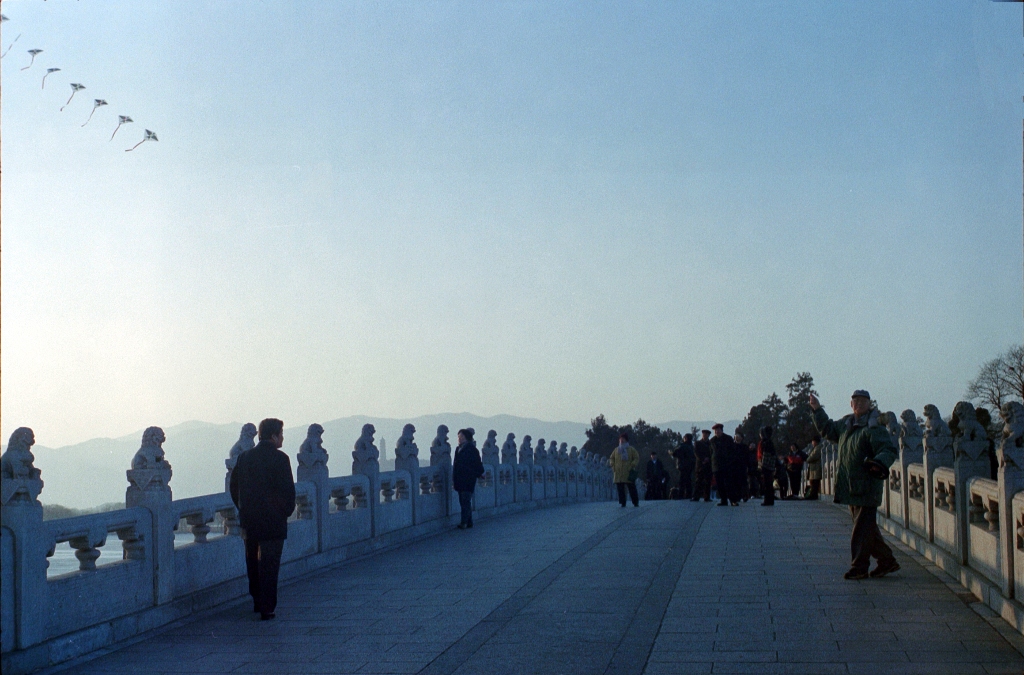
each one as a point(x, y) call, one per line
point(658, 210)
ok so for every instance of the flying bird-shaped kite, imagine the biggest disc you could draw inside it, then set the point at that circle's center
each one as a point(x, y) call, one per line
point(75, 88)
point(48, 71)
point(9, 46)
point(34, 53)
point(150, 136)
point(121, 119)
point(96, 103)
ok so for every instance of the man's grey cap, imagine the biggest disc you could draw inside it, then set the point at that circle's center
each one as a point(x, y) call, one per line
point(861, 392)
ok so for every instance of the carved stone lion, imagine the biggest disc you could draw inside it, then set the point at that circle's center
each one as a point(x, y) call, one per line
point(540, 455)
point(563, 453)
point(968, 426)
point(574, 455)
point(406, 447)
point(909, 425)
point(440, 448)
point(246, 441)
point(508, 450)
point(314, 443)
point(151, 454)
point(526, 450)
point(17, 460)
point(934, 425)
point(489, 450)
point(1011, 449)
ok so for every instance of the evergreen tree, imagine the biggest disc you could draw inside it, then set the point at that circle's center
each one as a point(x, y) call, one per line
point(799, 418)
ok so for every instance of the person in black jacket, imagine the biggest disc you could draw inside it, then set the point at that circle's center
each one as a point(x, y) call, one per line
point(685, 461)
point(657, 478)
point(702, 468)
point(263, 490)
point(466, 469)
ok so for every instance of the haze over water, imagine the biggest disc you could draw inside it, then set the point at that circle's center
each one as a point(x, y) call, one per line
point(551, 210)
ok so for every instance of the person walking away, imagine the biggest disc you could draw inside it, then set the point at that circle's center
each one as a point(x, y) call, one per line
point(263, 490)
point(754, 472)
point(685, 462)
point(741, 462)
point(795, 468)
point(702, 468)
point(657, 476)
point(814, 469)
point(766, 461)
point(466, 469)
point(624, 462)
point(722, 465)
point(865, 455)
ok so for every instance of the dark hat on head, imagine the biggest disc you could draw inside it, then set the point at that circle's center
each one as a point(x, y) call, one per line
point(468, 432)
point(705, 431)
point(860, 392)
point(718, 426)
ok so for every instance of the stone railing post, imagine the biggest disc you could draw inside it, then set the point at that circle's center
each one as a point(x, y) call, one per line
point(366, 462)
point(149, 486)
point(1011, 481)
point(508, 457)
point(246, 441)
point(22, 513)
point(970, 459)
point(911, 452)
point(312, 467)
point(489, 453)
point(407, 458)
point(938, 451)
point(441, 455)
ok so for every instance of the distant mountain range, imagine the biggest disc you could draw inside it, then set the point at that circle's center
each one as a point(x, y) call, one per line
point(86, 474)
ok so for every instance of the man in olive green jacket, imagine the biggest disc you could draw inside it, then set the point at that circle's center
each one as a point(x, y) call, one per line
point(864, 447)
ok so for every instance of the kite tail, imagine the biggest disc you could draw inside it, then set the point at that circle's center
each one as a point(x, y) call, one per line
point(9, 47)
point(69, 101)
point(136, 145)
point(114, 134)
point(90, 116)
point(44, 81)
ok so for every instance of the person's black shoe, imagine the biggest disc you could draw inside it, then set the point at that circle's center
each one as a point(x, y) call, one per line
point(469, 526)
point(692, 499)
point(267, 616)
point(767, 504)
point(735, 503)
point(707, 500)
point(723, 503)
point(622, 505)
point(255, 609)
point(462, 526)
point(882, 569)
point(855, 574)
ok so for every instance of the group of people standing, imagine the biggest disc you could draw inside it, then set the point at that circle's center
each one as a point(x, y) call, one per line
point(726, 465)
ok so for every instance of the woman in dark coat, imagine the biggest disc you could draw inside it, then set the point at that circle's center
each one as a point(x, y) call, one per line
point(466, 469)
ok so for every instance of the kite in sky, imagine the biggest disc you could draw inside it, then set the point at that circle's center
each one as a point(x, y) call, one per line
point(34, 53)
point(121, 119)
point(75, 88)
point(48, 71)
point(97, 103)
point(150, 136)
point(9, 46)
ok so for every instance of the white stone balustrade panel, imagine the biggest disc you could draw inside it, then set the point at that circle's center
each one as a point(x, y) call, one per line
point(916, 498)
point(206, 560)
point(944, 509)
point(303, 538)
point(982, 531)
point(393, 511)
point(1018, 546)
point(88, 597)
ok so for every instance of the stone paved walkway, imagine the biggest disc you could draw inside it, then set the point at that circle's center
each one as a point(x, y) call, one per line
point(671, 587)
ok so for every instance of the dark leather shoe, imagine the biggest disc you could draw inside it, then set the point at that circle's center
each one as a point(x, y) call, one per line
point(267, 616)
point(881, 570)
point(462, 526)
point(855, 575)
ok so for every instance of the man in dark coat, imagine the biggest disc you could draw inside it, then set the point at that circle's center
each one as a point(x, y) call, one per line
point(657, 478)
point(685, 461)
point(723, 465)
point(702, 468)
point(263, 491)
point(466, 469)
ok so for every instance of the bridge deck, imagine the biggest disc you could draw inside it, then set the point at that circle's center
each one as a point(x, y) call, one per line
point(671, 587)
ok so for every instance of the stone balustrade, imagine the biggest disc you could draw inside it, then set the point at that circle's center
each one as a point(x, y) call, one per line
point(940, 500)
point(180, 556)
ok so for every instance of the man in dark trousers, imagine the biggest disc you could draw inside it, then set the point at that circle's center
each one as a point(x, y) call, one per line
point(263, 490)
point(684, 463)
point(723, 466)
point(865, 454)
point(657, 478)
point(467, 467)
point(702, 468)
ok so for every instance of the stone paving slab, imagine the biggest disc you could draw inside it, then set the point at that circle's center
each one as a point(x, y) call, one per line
point(670, 587)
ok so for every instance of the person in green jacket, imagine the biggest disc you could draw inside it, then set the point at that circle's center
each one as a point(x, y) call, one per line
point(624, 462)
point(865, 453)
